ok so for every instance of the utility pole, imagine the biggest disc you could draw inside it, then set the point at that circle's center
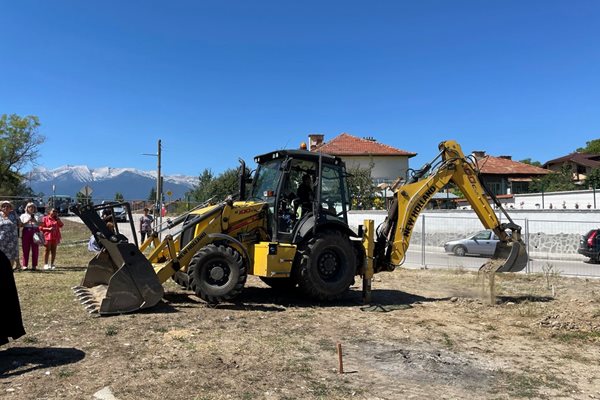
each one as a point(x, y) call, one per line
point(158, 203)
point(159, 190)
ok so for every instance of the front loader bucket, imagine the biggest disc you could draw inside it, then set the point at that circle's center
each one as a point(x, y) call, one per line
point(508, 257)
point(119, 279)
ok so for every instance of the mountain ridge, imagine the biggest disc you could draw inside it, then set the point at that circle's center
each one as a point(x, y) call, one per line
point(105, 182)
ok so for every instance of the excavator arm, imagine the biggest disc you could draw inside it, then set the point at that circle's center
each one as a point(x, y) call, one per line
point(450, 165)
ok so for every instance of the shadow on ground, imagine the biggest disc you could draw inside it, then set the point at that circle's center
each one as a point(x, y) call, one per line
point(272, 300)
point(21, 360)
point(521, 299)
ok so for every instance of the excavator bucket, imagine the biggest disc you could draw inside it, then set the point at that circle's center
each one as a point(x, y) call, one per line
point(508, 257)
point(119, 280)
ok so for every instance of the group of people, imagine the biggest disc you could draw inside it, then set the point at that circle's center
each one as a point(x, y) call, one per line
point(36, 230)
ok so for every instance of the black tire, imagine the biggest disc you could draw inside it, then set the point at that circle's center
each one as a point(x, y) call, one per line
point(182, 279)
point(280, 284)
point(460, 251)
point(217, 273)
point(327, 266)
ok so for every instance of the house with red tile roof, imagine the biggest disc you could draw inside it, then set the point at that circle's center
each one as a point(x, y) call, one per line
point(389, 163)
point(502, 175)
point(581, 164)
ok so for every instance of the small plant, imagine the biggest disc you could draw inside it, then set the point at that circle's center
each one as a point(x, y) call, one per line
point(30, 339)
point(551, 273)
point(111, 331)
point(65, 373)
point(447, 341)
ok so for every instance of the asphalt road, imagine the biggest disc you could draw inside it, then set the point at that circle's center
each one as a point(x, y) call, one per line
point(416, 259)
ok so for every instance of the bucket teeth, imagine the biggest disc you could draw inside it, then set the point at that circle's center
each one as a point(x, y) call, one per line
point(92, 308)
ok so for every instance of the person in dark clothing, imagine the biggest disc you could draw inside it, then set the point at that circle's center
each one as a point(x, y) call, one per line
point(305, 194)
point(10, 312)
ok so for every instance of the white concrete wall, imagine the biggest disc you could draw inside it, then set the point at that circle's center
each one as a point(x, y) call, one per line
point(583, 198)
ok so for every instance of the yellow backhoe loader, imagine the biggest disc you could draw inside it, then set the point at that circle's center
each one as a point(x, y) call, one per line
point(290, 228)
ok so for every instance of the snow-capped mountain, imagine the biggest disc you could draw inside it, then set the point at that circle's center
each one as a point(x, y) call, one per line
point(105, 182)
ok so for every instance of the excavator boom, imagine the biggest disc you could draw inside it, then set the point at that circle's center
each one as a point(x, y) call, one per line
point(411, 199)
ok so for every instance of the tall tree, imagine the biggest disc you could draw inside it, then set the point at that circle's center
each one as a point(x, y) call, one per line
point(119, 196)
point(152, 195)
point(593, 179)
point(361, 187)
point(225, 184)
point(555, 182)
point(591, 147)
point(19, 143)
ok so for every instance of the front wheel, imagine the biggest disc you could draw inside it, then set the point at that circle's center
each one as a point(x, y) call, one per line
point(217, 273)
point(327, 266)
point(460, 251)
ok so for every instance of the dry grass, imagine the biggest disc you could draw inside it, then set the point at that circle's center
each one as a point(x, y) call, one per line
point(433, 337)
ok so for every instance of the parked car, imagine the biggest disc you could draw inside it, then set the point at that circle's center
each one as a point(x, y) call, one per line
point(120, 214)
point(483, 243)
point(589, 245)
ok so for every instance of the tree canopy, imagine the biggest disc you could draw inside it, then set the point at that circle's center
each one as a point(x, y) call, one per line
point(361, 187)
point(19, 143)
point(591, 147)
point(219, 187)
point(531, 162)
point(555, 182)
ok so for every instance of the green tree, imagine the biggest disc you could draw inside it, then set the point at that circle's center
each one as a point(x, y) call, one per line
point(152, 195)
point(591, 147)
point(201, 192)
point(530, 162)
point(225, 184)
point(361, 187)
point(593, 179)
point(19, 143)
point(555, 182)
point(119, 196)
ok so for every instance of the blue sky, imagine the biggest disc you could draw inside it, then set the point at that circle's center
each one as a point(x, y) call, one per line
point(218, 80)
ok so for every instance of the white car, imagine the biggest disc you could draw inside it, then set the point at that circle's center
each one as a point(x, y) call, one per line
point(482, 243)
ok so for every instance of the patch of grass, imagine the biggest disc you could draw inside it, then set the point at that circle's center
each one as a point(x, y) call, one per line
point(72, 251)
point(449, 343)
point(65, 373)
point(111, 330)
point(30, 339)
point(569, 337)
point(326, 345)
point(528, 309)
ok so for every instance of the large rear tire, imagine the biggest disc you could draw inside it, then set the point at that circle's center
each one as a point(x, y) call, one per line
point(217, 273)
point(327, 266)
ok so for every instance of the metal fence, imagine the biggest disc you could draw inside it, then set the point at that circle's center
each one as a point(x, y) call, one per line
point(551, 244)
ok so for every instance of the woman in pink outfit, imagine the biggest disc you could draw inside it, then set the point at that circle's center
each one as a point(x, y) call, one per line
point(51, 225)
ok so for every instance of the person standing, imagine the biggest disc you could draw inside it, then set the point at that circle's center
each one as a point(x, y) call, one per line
point(30, 221)
point(146, 224)
point(10, 312)
point(9, 233)
point(51, 225)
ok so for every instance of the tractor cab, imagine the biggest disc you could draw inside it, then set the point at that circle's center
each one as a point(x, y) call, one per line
point(302, 189)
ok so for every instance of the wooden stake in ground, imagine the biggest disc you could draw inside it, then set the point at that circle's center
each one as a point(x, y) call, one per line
point(340, 361)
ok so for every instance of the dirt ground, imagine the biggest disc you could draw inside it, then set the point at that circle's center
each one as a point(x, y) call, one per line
point(427, 334)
